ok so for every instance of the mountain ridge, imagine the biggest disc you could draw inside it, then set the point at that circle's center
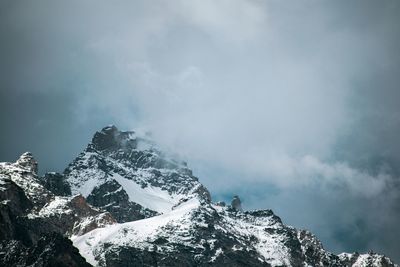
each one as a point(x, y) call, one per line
point(130, 204)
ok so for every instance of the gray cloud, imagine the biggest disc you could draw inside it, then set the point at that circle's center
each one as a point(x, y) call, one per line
point(298, 99)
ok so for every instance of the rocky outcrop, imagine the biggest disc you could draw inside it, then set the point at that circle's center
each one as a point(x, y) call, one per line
point(50, 250)
point(111, 139)
point(55, 182)
point(14, 204)
point(313, 251)
point(26, 161)
point(112, 197)
point(24, 174)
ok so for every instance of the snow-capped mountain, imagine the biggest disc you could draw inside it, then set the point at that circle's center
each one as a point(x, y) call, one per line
point(128, 176)
point(124, 202)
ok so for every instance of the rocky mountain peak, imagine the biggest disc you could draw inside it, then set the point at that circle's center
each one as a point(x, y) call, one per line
point(111, 139)
point(123, 202)
point(128, 175)
point(27, 161)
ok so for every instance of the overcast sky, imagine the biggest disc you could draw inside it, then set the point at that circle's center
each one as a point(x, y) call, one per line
point(293, 105)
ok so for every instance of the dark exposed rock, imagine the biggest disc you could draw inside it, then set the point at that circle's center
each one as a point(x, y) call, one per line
point(314, 252)
point(14, 204)
point(50, 250)
point(55, 182)
point(55, 250)
point(13, 253)
point(221, 203)
point(111, 197)
point(109, 138)
point(13, 196)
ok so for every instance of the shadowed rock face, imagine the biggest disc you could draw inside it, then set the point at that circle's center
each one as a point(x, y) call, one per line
point(50, 250)
point(13, 205)
point(55, 182)
point(110, 138)
point(111, 197)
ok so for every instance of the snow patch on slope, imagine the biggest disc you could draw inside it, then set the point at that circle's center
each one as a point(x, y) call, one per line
point(58, 206)
point(83, 181)
point(150, 197)
point(131, 233)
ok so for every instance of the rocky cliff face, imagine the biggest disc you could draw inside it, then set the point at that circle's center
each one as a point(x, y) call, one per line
point(50, 250)
point(123, 202)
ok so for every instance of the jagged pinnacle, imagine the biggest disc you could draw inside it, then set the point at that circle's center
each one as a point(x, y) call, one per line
point(27, 161)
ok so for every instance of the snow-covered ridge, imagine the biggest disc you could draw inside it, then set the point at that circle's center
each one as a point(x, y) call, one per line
point(214, 235)
point(366, 260)
point(165, 215)
point(138, 233)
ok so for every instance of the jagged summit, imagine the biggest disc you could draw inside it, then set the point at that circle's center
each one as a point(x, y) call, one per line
point(130, 177)
point(27, 161)
point(110, 138)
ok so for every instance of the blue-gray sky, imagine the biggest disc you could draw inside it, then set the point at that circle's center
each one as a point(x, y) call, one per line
point(294, 105)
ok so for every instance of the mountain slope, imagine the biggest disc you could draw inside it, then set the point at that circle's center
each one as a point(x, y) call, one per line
point(128, 176)
point(197, 233)
point(123, 202)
